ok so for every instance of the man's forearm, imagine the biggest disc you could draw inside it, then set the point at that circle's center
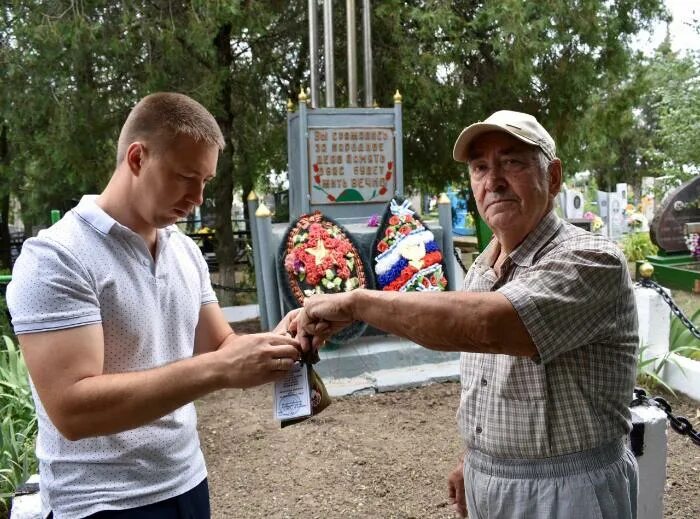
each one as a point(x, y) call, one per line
point(447, 321)
point(112, 403)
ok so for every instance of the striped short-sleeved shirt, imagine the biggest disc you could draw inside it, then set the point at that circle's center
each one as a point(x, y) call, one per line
point(89, 269)
point(573, 292)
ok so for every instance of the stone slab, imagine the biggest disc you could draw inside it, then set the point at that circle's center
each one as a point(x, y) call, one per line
point(234, 314)
point(393, 379)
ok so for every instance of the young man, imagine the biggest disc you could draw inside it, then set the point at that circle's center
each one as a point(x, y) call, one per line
point(121, 331)
point(548, 327)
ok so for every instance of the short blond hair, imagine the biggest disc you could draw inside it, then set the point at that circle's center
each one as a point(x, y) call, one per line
point(159, 118)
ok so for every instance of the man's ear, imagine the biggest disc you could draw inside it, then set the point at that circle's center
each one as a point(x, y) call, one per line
point(135, 155)
point(555, 177)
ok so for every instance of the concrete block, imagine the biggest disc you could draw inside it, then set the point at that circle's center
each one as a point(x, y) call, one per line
point(394, 379)
point(654, 318)
point(27, 506)
point(368, 355)
point(652, 461)
point(414, 376)
point(350, 386)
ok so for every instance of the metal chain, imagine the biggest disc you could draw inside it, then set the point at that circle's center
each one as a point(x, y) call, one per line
point(680, 424)
point(648, 283)
point(458, 257)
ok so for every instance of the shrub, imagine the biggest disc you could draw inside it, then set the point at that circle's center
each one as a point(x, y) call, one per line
point(681, 341)
point(649, 369)
point(637, 246)
point(5, 328)
point(18, 427)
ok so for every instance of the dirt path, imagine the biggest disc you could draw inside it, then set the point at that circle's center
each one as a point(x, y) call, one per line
point(369, 456)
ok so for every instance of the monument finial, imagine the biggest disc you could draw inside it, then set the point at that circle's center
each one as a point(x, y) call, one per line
point(252, 196)
point(302, 95)
point(646, 270)
point(290, 105)
point(443, 199)
point(262, 211)
point(397, 97)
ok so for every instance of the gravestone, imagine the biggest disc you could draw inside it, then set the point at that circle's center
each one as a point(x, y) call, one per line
point(680, 206)
point(571, 202)
point(611, 206)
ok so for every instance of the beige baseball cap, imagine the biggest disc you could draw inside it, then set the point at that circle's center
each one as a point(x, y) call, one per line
point(522, 126)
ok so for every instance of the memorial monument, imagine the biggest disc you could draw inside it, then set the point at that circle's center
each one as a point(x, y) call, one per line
point(345, 166)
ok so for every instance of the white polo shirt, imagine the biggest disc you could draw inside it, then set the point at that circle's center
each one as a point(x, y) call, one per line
point(87, 269)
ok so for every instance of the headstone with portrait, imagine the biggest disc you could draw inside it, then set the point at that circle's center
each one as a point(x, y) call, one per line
point(611, 206)
point(680, 207)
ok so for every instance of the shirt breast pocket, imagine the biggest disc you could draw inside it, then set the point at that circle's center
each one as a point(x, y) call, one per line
point(519, 378)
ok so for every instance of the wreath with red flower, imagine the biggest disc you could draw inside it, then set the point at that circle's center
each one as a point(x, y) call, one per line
point(318, 256)
point(320, 259)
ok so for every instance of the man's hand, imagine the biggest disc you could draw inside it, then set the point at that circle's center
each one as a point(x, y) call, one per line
point(257, 358)
point(288, 323)
point(322, 317)
point(455, 488)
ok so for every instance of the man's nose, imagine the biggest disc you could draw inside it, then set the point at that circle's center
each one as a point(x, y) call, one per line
point(495, 178)
point(197, 194)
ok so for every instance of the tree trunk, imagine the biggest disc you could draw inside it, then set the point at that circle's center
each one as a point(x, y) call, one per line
point(223, 185)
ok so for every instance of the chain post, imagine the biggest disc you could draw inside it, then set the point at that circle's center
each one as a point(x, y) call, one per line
point(648, 283)
point(680, 424)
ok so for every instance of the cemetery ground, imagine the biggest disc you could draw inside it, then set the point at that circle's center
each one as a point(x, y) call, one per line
point(381, 455)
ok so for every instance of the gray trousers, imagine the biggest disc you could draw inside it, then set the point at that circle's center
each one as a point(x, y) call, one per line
point(600, 483)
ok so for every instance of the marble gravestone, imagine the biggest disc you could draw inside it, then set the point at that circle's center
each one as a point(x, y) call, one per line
point(681, 206)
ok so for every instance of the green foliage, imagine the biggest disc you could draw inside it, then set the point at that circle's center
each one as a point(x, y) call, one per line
point(637, 246)
point(457, 62)
point(454, 62)
point(5, 327)
point(681, 341)
point(18, 427)
point(649, 368)
point(647, 124)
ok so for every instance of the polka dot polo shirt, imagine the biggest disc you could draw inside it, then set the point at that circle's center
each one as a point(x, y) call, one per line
point(90, 269)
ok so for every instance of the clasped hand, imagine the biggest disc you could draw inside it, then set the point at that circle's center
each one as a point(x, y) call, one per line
point(321, 317)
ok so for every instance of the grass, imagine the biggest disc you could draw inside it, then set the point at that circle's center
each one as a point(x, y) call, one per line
point(18, 427)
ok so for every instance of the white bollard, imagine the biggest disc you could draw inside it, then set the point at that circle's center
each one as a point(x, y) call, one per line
point(654, 318)
point(27, 506)
point(649, 435)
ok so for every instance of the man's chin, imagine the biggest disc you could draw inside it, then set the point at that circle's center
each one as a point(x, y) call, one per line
point(503, 220)
point(166, 222)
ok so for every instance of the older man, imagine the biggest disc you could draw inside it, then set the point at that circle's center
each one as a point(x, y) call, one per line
point(548, 328)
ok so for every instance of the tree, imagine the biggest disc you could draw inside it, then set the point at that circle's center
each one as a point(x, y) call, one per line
point(89, 63)
point(72, 70)
point(457, 62)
